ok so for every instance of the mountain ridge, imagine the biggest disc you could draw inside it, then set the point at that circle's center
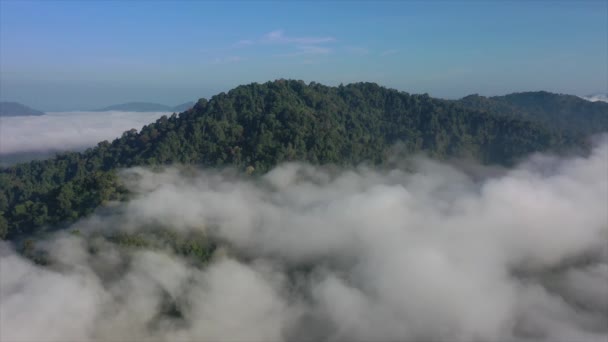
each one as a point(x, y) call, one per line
point(11, 108)
point(556, 111)
point(145, 107)
point(256, 126)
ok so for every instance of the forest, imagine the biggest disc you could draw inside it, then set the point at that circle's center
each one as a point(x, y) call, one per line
point(254, 127)
point(557, 111)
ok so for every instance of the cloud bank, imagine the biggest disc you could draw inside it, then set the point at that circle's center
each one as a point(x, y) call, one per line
point(424, 251)
point(596, 98)
point(62, 131)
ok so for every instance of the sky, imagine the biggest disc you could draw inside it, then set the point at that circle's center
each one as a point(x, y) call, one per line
point(78, 55)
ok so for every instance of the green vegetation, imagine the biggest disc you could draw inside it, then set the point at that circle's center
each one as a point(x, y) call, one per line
point(195, 246)
point(256, 126)
point(562, 112)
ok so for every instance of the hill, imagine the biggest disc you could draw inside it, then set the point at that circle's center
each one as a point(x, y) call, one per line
point(596, 97)
point(256, 126)
point(17, 109)
point(145, 107)
point(557, 111)
point(183, 107)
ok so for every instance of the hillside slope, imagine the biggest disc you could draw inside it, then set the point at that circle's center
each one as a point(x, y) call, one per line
point(256, 126)
point(146, 107)
point(17, 109)
point(563, 112)
point(136, 107)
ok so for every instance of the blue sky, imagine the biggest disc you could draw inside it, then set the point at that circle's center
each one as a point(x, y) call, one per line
point(62, 55)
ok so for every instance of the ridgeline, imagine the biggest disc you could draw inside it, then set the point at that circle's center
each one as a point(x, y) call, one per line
point(256, 126)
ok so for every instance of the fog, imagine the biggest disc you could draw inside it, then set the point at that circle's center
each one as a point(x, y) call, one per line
point(596, 98)
point(61, 131)
point(422, 251)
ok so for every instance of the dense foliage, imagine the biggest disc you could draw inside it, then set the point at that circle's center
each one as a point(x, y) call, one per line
point(564, 112)
point(256, 126)
point(195, 246)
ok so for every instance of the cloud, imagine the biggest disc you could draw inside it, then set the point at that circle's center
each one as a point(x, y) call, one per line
point(389, 52)
point(279, 37)
point(228, 59)
point(67, 130)
point(300, 45)
point(596, 98)
point(420, 251)
point(308, 50)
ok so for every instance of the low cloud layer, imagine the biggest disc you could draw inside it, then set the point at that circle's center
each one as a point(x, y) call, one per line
point(62, 131)
point(422, 252)
point(596, 98)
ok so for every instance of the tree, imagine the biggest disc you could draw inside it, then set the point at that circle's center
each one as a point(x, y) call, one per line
point(260, 125)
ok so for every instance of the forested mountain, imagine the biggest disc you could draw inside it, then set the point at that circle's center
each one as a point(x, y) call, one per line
point(256, 126)
point(17, 109)
point(565, 112)
point(145, 107)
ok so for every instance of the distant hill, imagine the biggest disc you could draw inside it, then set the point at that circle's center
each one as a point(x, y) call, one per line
point(555, 111)
point(9, 159)
point(17, 109)
point(596, 97)
point(254, 127)
point(183, 107)
point(145, 107)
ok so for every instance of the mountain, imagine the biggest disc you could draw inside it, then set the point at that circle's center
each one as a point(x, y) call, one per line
point(183, 107)
point(562, 112)
point(145, 107)
point(136, 107)
point(17, 109)
point(603, 97)
point(257, 126)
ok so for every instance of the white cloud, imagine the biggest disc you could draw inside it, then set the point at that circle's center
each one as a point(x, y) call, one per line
point(228, 59)
point(303, 45)
point(67, 130)
point(279, 37)
point(596, 98)
point(389, 52)
point(308, 50)
point(420, 252)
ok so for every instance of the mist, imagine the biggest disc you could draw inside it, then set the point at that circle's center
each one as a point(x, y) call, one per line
point(66, 131)
point(422, 251)
point(596, 98)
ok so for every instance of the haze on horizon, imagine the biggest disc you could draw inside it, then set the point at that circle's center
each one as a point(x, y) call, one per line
point(59, 56)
